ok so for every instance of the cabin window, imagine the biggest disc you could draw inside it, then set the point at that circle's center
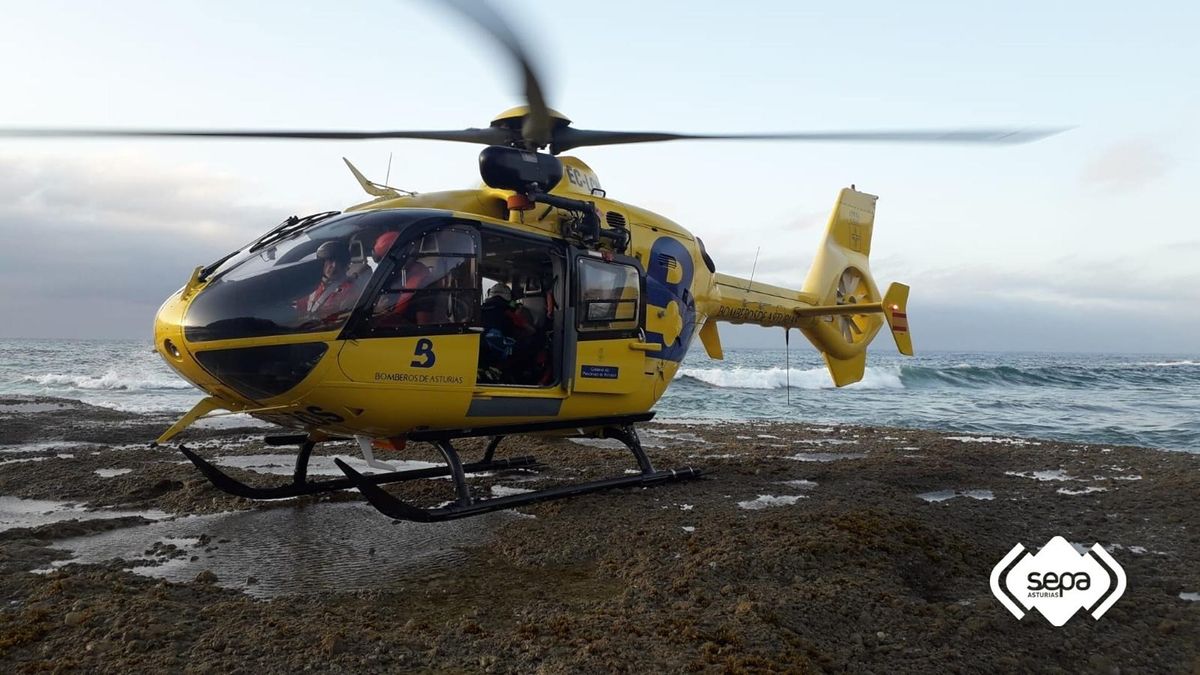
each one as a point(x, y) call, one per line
point(519, 310)
point(609, 297)
point(433, 286)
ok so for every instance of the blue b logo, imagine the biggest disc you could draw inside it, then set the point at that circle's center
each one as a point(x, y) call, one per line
point(424, 349)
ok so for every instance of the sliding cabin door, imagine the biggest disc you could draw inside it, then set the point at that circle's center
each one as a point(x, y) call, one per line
point(607, 314)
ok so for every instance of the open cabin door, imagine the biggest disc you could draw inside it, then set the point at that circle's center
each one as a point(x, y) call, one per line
point(607, 313)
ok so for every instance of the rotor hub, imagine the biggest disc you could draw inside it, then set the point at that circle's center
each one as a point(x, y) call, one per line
point(514, 118)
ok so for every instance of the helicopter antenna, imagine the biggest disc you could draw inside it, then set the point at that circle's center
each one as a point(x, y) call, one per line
point(753, 268)
point(388, 175)
point(787, 365)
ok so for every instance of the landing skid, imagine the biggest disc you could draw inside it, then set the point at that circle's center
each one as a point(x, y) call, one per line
point(620, 428)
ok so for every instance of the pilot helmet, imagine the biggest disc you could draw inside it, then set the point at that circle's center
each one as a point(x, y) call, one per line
point(383, 244)
point(332, 250)
point(500, 289)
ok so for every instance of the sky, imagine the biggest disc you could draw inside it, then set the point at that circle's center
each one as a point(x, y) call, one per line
point(1086, 241)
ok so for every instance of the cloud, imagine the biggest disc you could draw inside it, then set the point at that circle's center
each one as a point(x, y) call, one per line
point(1074, 281)
point(126, 193)
point(1127, 165)
point(87, 247)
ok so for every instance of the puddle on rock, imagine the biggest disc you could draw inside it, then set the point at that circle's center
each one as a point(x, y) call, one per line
point(945, 495)
point(766, 501)
point(16, 512)
point(678, 437)
point(319, 465)
point(508, 491)
point(24, 459)
point(65, 455)
point(1081, 491)
point(694, 422)
point(1056, 474)
point(34, 407)
point(825, 456)
point(991, 439)
point(111, 473)
point(44, 446)
point(612, 443)
point(324, 547)
point(1191, 597)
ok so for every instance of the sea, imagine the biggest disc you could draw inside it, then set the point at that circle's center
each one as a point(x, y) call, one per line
point(1150, 400)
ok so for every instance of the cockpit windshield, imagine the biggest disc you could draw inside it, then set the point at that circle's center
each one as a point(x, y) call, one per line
point(307, 280)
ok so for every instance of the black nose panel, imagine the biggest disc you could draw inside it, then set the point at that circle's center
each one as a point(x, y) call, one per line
point(262, 372)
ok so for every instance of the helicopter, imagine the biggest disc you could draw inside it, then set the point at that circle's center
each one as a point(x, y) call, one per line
point(532, 304)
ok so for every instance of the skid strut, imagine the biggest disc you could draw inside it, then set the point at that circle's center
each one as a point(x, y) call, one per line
point(300, 484)
point(465, 505)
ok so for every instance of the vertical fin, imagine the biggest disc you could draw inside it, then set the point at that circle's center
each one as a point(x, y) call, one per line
point(711, 340)
point(846, 371)
point(895, 310)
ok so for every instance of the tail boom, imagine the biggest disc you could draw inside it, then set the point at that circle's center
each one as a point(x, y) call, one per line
point(839, 308)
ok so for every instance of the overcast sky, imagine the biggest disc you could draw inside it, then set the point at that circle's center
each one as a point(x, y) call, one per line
point(1087, 241)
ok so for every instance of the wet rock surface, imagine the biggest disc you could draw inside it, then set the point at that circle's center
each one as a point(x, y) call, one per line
point(854, 571)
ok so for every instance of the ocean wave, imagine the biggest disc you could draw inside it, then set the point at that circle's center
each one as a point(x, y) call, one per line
point(109, 381)
point(959, 375)
point(777, 378)
point(1070, 376)
point(1170, 364)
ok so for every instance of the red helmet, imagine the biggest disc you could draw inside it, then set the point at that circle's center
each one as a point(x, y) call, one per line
point(383, 243)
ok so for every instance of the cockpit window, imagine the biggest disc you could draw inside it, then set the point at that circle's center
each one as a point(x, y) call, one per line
point(306, 282)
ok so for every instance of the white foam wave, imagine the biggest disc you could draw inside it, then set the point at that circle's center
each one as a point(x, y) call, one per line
point(777, 378)
point(1171, 364)
point(109, 381)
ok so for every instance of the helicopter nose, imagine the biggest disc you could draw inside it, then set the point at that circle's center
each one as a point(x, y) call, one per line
point(170, 344)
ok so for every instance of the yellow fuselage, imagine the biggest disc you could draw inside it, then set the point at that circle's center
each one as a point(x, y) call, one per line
point(382, 387)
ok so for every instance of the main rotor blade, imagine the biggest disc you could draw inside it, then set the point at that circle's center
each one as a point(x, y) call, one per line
point(568, 138)
point(489, 136)
point(537, 126)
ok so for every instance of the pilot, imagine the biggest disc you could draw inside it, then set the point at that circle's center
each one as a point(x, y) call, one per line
point(337, 290)
point(399, 304)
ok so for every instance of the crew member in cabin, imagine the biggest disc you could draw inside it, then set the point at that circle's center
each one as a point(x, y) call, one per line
point(402, 303)
point(506, 332)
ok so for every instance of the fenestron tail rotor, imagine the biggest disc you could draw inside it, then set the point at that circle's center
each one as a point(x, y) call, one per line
point(537, 126)
point(852, 289)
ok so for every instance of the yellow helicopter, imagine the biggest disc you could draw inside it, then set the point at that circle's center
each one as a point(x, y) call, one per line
point(534, 303)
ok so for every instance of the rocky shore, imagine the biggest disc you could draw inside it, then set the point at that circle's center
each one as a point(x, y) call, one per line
point(803, 549)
